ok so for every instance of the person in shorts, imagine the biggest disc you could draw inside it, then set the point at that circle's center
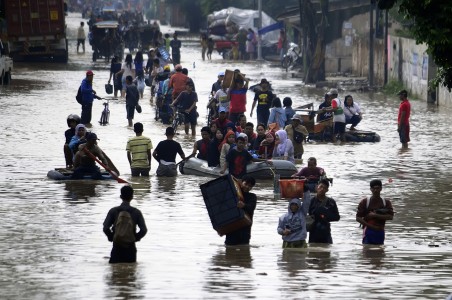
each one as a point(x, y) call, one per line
point(373, 213)
point(403, 119)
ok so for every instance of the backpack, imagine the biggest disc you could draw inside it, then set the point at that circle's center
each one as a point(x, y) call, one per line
point(124, 229)
point(79, 97)
point(297, 136)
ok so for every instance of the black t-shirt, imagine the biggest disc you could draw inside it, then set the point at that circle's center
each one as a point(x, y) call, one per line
point(237, 162)
point(325, 115)
point(168, 149)
point(215, 87)
point(264, 99)
point(69, 134)
point(186, 100)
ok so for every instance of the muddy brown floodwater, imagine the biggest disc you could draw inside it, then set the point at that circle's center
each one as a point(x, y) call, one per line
point(52, 244)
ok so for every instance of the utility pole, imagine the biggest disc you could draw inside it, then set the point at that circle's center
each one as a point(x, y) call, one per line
point(259, 40)
point(304, 32)
point(371, 44)
point(386, 48)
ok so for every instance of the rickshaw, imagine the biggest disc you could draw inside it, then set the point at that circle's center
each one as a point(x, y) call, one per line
point(106, 40)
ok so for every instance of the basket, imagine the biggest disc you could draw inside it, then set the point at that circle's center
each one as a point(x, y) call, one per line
point(291, 188)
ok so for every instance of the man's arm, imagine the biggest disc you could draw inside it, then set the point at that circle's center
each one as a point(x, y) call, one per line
point(142, 225)
point(129, 157)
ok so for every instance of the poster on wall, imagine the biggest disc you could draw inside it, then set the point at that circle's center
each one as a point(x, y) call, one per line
point(414, 64)
point(424, 67)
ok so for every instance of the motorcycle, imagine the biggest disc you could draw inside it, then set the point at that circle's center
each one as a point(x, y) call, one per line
point(293, 57)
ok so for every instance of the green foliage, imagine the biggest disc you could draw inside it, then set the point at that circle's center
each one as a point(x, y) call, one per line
point(432, 26)
point(393, 87)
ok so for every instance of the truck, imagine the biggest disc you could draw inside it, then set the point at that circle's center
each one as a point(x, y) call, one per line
point(6, 66)
point(34, 29)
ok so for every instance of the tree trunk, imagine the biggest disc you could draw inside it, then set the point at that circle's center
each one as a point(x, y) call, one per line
point(316, 42)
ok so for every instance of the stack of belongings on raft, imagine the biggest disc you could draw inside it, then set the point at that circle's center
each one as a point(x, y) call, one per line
point(223, 25)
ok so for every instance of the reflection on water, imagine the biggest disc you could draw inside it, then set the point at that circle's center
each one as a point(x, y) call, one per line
point(53, 248)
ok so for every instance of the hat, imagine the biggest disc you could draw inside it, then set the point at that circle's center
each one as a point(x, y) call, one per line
point(89, 73)
point(263, 80)
point(138, 127)
point(178, 67)
point(222, 109)
point(332, 92)
point(167, 68)
point(402, 92)
point(297, 117)
point(169, 131)
point(152, 49)
point(91, 136)
point(221, 74)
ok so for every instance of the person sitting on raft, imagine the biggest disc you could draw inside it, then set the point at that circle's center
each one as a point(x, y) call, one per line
point(312, 173)
point(84, 164)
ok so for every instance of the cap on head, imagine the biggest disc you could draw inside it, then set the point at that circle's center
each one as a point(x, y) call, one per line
point(89, 73)
point(166, 68)
point(222, 109)
point(91, 136)
point(169, 131)
point(297, 118)
point(263, 81)
point(220, 74)
point(402, 93)
point(138, 127)
point(333, 92)
point(178, 67)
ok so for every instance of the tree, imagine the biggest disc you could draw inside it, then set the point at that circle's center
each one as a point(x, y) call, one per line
point(432, 26)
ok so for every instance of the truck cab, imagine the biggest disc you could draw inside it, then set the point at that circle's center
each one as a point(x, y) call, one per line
point(6, 66)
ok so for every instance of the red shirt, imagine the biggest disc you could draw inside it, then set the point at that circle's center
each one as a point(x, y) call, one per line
point(405, 106)
point(178, 82)
point(238, 101)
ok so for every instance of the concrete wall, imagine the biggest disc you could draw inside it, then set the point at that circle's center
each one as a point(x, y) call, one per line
point(408, 63)
point(339, 53)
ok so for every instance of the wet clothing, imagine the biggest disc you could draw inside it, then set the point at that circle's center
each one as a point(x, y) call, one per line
point(213, 153)
point(264, 101)
point(139, 146)
point(404, 133)
point(178, 82)
point(124, 253)
point(166, 155)
point(295, 222)
point(186, 100)
point(237, 161)
point(297, 145)
point(323, 213)
point(242, 236)
point(203, 149)
point(373, 236)
point(132, 98)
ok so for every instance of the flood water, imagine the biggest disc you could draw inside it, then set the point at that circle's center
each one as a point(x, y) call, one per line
point(52, 244)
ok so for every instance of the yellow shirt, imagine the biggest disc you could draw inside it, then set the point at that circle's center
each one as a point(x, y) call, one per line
point(138, 147)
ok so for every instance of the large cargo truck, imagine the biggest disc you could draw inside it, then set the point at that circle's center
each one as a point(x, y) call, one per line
point(34, 29)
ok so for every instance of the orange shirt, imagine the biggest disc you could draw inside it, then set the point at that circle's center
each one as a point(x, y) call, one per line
point(178, 82)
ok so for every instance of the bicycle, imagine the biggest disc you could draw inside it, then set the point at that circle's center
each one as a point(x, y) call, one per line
point(105, 116)
point(178, 118)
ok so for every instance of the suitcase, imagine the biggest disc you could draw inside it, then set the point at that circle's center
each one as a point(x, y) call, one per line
point(220, 197)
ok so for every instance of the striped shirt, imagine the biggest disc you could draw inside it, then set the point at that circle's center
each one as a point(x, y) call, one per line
point(138, 147)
